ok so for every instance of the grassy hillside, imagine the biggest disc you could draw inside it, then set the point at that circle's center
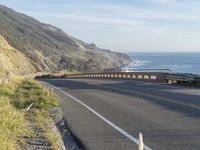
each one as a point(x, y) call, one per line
point(12, 60)
point(49, 48)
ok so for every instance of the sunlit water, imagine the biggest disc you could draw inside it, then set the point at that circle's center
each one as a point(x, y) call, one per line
point(177, 62)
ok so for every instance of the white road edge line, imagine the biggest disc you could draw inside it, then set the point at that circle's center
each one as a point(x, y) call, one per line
point(123, 132)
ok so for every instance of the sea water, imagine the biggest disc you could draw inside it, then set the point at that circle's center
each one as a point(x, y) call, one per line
point(177, 62)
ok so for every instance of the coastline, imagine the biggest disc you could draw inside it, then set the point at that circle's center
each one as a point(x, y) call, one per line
point(177, 62)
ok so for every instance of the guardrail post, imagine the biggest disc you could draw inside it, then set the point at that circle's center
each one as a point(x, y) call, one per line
point(124, 75)
point(153, 77)
point(146, 76)
point(134, 76)
point(140, 76)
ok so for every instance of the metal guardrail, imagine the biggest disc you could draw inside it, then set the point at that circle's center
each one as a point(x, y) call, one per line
point(156, 76)
point(163, 77)
point(183, 79)
point(180, 77)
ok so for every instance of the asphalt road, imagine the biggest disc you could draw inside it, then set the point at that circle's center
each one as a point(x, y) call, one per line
point(168, 116)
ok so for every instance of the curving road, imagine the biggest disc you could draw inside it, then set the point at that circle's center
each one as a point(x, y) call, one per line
point(168, 116)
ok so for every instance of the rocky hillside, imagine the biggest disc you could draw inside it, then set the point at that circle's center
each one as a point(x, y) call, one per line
point(49, 48)
point(12, 60)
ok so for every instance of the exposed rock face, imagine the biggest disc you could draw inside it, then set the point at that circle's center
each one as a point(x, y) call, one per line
point(49, 48)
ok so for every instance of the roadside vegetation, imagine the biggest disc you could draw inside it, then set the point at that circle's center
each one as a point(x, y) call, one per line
point(24, 101)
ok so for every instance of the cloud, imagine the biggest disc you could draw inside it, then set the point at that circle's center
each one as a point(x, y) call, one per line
point(125, 16)
point(161, 20)
point(169, 2)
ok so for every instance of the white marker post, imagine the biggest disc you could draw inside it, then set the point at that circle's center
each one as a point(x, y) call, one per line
point(141, 143)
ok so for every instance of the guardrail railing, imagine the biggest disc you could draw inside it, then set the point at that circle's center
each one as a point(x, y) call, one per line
point(163, 77)
point(156, 76)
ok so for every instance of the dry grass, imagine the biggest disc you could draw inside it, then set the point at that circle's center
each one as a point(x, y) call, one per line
point(12, 125)
point(15, 97)
point(30, 92)
point(12, 122)
point(12, 60)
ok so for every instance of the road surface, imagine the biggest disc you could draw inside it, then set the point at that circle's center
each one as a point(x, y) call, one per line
point(168, 116)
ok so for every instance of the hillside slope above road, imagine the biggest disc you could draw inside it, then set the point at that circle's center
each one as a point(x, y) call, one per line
point(37, 41)
point(12, 60)
point(168, 116)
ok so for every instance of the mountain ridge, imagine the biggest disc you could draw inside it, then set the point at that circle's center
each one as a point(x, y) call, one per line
point(50, 47)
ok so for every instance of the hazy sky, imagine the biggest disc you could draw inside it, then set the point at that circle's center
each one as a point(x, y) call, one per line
point(122, 25)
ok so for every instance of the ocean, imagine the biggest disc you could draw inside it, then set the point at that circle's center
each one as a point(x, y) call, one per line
point(177, 62)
